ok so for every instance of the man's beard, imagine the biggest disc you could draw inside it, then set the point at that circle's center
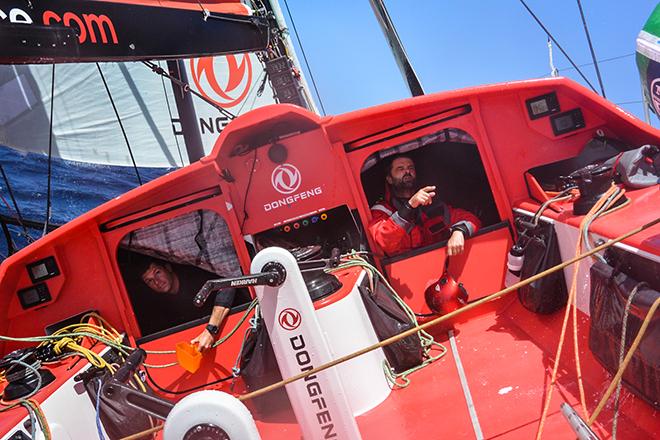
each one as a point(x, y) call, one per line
point(405, 183)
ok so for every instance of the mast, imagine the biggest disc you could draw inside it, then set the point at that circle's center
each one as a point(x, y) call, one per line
point(399, 52)
point(187, 117)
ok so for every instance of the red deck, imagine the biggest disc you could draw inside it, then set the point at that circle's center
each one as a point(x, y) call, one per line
point(518, 349)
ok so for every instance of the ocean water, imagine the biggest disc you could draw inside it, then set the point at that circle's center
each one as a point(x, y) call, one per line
point(76, 187)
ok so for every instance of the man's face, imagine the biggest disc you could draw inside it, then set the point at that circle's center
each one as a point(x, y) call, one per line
point(402, 174)
point(159, 278)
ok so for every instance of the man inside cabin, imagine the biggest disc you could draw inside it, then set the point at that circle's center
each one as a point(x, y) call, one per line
point(409, 217)
point(181, 285)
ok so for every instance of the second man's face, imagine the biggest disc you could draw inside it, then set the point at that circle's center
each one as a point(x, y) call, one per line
point(159, 279)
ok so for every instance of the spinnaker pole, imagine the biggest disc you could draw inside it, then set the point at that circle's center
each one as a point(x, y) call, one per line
point(399, 52)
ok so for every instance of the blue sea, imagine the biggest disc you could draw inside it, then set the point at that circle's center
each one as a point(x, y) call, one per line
point(76, 187)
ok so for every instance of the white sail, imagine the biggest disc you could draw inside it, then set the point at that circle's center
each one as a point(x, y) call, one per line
point(84, 124)
point(234, 82)
point(85, 127)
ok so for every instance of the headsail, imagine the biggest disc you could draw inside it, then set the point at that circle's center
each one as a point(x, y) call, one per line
point(648, 60)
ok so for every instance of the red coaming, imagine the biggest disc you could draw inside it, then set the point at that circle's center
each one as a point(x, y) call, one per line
point(518, 345)
point(642, 209)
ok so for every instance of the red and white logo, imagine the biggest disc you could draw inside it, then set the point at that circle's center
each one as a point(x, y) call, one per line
point(286, 178)
point(290, 319)
point(224, 80)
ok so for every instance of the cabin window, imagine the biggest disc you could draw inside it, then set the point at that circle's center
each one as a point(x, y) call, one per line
point(450, 161)
point(165, 264)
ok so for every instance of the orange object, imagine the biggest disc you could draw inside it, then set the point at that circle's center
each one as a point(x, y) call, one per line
point(188, 356)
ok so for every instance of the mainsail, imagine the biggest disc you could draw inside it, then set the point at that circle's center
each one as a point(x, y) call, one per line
point(220, 49)
point(85, 126)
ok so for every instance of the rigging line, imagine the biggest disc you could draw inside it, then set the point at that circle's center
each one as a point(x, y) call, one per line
point(250, 93)
point(247, 190)
point(50, 152)
point(302, 49)
point(186, 88)
point(19, 217)
point(604, 60)
point(591, 49)
point(11, 248)
point(628, 102)
point(169, 110)
point(121, 126)
point(558, 45)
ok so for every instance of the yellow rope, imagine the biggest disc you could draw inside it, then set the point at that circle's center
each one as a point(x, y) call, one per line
point(571, 309)
point(433, 322)
point(450, 315)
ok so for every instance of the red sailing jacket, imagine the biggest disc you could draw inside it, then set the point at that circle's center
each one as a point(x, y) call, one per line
point(394, 234)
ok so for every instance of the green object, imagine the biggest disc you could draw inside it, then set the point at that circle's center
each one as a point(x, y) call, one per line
point(648, 60)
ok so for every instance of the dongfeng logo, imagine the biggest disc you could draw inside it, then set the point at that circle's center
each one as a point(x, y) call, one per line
point(290, 319)
point(286, 178)
point(224, 80)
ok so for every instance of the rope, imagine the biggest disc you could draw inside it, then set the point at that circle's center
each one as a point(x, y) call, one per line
point(99, 426)
point(591, 48)
point(302, 49)
point(571, 307)
point(169, 110)
point(145, 433)
point(624, 365)
point(50, 151)
point(400, 380)
point(450, 315)
point(186, 88)
point(622, 347)
point(121, 125)
point(540, 23)
point(19, 217)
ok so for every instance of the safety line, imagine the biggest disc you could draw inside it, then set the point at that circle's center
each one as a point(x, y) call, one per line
point(453, 314)
point(450, 315)
point(466, 389)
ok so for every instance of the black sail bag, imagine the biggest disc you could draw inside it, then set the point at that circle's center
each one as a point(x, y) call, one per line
point(389, 319)
point(548, 294)
point(610, 292)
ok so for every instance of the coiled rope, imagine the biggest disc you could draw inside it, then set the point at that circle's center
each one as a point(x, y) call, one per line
point(398, 380)
point(455, 313)
point(450, 315)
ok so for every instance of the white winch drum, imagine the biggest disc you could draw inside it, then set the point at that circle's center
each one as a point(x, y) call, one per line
point(210, 414)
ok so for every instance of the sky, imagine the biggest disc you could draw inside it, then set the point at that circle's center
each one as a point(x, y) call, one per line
point(462, 43)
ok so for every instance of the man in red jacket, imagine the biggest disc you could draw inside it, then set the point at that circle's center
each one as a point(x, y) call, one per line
point(409, 217)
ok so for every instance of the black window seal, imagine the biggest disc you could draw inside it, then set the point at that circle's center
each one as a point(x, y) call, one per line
point(466, 109)
point(216, 191)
